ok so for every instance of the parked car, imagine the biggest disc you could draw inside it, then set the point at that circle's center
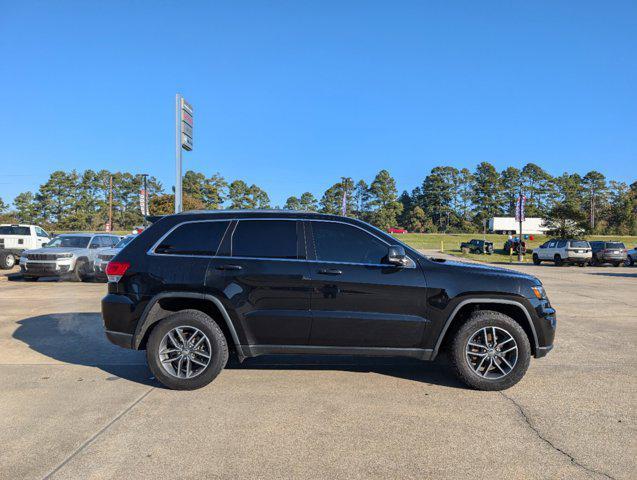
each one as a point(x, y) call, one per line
point(15, 239)
point(197, 286)
point(631, 257)
point(106, 255)
point(396, 230)
point(68, 255)
point(609, 252)
point(563, 251)
point(515, 244)
point(477, 246)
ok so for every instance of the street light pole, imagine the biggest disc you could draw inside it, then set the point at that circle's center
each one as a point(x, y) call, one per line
point(521, 216)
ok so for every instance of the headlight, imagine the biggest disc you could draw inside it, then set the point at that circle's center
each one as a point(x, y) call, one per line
point(539, 292)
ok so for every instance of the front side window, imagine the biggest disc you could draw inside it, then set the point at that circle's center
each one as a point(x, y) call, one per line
point(338, 242)
point(561, 244)
point(41, 233)
point(265, 239)
point(195, 238)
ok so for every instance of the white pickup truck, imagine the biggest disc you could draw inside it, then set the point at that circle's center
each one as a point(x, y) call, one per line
point(14, 239)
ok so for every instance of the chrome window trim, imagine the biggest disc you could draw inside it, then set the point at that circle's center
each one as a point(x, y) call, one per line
point(151, 250)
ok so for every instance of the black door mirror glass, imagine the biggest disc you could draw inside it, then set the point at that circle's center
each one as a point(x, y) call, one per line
point(396, 256)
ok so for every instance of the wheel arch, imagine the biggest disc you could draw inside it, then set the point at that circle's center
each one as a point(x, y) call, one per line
point(512, 308)
point(167, 303)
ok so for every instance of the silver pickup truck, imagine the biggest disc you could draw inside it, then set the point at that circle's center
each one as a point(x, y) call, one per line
point(69, 256)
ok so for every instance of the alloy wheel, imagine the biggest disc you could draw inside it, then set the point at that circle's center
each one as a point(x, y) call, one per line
point(184, 352)
point(492, 352)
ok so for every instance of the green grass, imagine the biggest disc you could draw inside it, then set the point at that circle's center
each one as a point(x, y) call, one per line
point(450, 243)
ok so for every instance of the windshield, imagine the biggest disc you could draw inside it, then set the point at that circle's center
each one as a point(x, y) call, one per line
point(69, 242)
point(14, 230)
point(579, 244)
point(124, 241)
point(615, 245)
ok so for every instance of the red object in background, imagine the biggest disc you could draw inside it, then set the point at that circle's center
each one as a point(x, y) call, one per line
point(397, 230)
point(531, 237)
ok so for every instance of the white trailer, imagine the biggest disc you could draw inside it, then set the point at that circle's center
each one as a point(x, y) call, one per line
point(508, 225)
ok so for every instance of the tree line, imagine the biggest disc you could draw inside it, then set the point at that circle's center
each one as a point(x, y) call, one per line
point(448, 200)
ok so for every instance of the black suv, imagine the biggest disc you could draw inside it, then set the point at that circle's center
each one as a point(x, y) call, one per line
point(197, 286)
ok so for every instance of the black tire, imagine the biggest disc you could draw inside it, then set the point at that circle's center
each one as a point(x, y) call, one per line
point(582, 264)
point(218, 346)
point(79, 272)
point(629, 261)
point(617, 264)
point(536, 259)
point(477, 321)
point(558, 261)
point(7, 260)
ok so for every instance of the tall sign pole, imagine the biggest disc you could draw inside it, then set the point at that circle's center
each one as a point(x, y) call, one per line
point(183, 140)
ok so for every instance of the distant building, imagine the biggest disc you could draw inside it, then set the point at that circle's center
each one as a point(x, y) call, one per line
point(508, 225)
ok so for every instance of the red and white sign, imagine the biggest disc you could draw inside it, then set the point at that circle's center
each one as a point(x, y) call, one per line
point(187, 123)
point(143, 201)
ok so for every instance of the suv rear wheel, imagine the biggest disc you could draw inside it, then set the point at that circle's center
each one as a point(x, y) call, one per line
point(490, 351)
point(536, 259)
point(7, 260)
point(186, 350)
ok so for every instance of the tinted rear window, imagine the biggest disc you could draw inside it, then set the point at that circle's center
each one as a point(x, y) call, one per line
point(9, 230)
point(265, 239)
point(198, 238)
point(579, 244)
point(615, 245)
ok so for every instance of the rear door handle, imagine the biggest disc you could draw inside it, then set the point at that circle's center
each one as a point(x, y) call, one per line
point(330, 271)
point(229, 267)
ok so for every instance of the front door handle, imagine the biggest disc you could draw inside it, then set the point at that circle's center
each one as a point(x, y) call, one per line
point(330, 271)
point(229, 267)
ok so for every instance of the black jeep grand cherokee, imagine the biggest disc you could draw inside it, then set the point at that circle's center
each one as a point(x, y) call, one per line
point(198, 285)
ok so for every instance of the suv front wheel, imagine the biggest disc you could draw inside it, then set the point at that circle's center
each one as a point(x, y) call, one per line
point(186, 350)
point(490, 351)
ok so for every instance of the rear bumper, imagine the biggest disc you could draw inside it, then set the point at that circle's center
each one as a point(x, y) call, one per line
point(124, 340)
point(120, 315)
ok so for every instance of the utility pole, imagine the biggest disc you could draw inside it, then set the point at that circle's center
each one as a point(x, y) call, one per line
point(592, 206)
point(521, 219)
point(146, 206)
point(110, 204)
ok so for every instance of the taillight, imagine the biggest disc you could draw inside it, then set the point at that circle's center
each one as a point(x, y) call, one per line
point(115, 270)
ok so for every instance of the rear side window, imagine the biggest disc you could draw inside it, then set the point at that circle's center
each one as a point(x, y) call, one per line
point(337, 242)
point(14, 230)
point(615, 245)
point(265, 239)
point(561, 244)
point(579, 244)
point(196, 238)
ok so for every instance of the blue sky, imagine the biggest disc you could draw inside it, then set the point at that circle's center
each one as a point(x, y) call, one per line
point(292, 95)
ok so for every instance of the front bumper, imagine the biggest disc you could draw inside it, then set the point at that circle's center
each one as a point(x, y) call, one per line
point(44, 269)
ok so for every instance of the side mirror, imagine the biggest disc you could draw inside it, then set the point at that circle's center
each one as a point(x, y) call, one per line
point(93, 245)
point(396, 256)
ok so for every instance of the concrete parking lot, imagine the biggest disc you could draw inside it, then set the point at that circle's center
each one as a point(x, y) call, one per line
point(74, 406)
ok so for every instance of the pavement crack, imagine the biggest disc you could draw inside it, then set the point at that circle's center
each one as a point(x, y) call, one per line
point(96, 435)
point(539, 435)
